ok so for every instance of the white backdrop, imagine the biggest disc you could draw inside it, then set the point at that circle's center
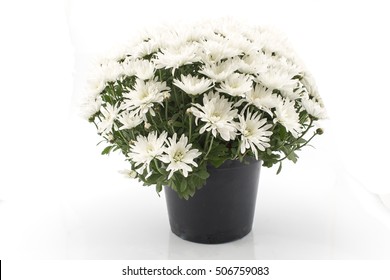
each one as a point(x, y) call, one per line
point(60, 199)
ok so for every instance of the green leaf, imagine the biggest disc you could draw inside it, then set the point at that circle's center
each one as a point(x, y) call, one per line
point(152, 179)
point(293, 157)
point(280, 168)
point(203, 174)
point(217, 162)
point(158, 187)
point(183, 185)
point(107, 150)
point(301, 141)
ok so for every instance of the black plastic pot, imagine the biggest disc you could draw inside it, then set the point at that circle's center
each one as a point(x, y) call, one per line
point(221, 211)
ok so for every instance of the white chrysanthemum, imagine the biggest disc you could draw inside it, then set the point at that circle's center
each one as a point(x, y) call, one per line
point(128, 173)
point(218, 114)
point(90, 106)
point(220, 71)
point(144, 149)
point(129, 120)
point(109, 113)
point(190, 35)
point(240, 42)
point(310, 85)
point(213, 51)
point(279, 74)
point(179, 155)
point(253, 34)
point(254, 133)
point(128, 66)
point(314, 108)
point(275, 41)
point(236, 85)
point(262, 98)
point(193, 85)
point(145, 95)
point(144, 48)
point(287, 116)
point(277, 78)
point(253, 63)
point(96, 84)
point(144, 69)
point(176, 56)
point(111, 70)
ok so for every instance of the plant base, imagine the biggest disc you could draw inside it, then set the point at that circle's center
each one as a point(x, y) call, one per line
point(221, 211)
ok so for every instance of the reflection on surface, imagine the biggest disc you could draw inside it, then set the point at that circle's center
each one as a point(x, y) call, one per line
point(375, 204)
point(386, 200)
point(242, 249)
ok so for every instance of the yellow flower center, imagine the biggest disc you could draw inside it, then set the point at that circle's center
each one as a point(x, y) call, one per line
point(144, 94)
point(178, 156)
point(150, 149)
point(247, 132)
point(215, 117)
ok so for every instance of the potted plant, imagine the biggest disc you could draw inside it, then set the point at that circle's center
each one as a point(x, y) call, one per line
point(196, 109)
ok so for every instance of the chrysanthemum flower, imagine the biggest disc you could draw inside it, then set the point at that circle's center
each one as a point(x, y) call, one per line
point(144, 149)
point(314, 109)
point(179, 155)
point(145, 95)
point(193, 85)
point(262, 98)
point(254, 133)
point(220, 71)
point(287, 116)
point(129, 120)
point(218, 114)
point(213, 51)
point(176, 56)
point(109, 113)
point(236, 85)
point(144, 69)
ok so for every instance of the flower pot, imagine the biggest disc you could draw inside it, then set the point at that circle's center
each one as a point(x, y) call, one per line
point(222, 210)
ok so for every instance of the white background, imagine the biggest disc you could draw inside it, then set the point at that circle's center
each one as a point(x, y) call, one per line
point(60, 199)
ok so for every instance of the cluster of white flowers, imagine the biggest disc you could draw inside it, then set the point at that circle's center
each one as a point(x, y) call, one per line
point(237, 82)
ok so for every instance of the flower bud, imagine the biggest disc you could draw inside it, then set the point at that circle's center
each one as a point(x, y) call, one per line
point(110, 138)
point(147, 125)
point(128, 173)
point(189, 111)
point(166, 95)
point(132, 174)
point(320, 131)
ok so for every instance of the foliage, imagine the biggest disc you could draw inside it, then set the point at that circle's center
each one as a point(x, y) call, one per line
point(180, 99)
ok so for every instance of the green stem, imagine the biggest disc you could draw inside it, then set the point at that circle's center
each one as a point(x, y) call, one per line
point(190, 127)
point(211, 145)
point(154, 123)
point(299, 147)
point(207, 140)
point(123, 137)
point(159, 116)
point(158, 168)
point(303, 134)
point(296, 140)
point(190, 118)
point(166, 109)
point(95, 124)
point(238, 150)
point(176, 99)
